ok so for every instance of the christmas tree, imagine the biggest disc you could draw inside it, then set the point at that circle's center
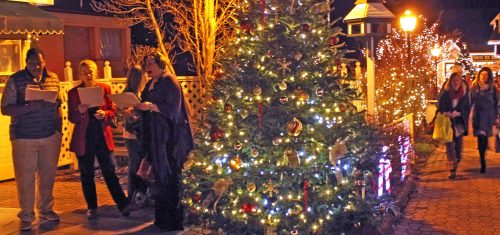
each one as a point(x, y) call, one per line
point(283, 148)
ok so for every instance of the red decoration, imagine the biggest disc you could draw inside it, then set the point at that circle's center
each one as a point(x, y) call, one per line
point(248, 208)
point(246, 27)
point(228, 108)
point(332, 41)
point(263, 8)
point(197, 197)
point(306, 194)
point(306, 27)
point(216, 135)
point(294, 127)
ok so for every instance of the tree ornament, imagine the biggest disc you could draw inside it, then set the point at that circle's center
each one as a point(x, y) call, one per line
point(337, 152)
point(197, 197)
point(297, 56)
point(284, 65)
point(244, 113)
point(237, 145)
point(187, 164)
point(282, 85)
point(188, 202)
point(277, 140)
point(301, 95)
point(283, 99)
point(293, 157)
point(294, 127)
point(228, 108)
point(222, 185)
point(235, 163)
point(270, 188)
point(306, 28)
point(248, 207)
point(251, 187)
point(246, 27)
point(320, 92)
point(297, 209)
point(254, 152)
point(257, 90)
point(333, 40)
point(216, 134)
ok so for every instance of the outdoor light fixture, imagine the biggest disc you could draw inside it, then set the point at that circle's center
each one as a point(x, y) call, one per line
point(408, 21)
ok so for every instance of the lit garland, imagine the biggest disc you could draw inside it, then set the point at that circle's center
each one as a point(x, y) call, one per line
point(405, 82)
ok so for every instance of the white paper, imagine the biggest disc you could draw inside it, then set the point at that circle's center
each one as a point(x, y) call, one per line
point(37, 94)
point(125, 99)
point(92, 96)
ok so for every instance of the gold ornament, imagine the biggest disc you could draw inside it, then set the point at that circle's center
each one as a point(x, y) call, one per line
point(251, 187)
point(270, 188)
point(294, 127)
point(297, 209)
point(297, 56)
point(337, 151)
point(244, 113)
point(293, 157)
point(282, 85)
point(257, 90)
point(222, 185)
point(301, 95)
point(254, 152)
point(188, 202)
point(235, 163)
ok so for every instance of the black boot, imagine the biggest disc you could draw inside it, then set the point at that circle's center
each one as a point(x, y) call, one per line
point(483, 163)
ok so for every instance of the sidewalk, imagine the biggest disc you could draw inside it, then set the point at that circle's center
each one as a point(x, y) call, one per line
point(70, 205)
point(467, 205)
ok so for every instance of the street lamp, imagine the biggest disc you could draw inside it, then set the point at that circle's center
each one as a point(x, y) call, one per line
point(408, 23)
point(436, 52)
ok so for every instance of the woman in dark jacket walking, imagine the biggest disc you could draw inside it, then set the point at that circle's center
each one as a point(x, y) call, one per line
point(484, 100)
point(454, 103)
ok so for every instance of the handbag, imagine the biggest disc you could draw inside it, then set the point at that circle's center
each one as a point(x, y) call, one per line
point(442, 129)
point(145, 171)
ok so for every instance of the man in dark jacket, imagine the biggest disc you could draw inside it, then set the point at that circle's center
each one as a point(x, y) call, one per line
point(35, 133)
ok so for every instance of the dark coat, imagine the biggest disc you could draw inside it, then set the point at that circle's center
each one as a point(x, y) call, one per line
point(169, 139)
point(485, 109)
point(81, 121)
point(463, 106)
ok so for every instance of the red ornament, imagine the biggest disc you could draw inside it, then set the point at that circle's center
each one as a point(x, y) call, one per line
point(306, 27)
point(216, 135)
point(332, 41)
point(228, 108)
point(197, 197)
point(246, 27)
point(248, 208)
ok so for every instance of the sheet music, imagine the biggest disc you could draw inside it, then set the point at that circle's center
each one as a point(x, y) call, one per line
point(37, 94)
point(92, 96)
point(125, 99)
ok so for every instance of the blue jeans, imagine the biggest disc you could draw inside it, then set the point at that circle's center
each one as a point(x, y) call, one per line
point(135, 183)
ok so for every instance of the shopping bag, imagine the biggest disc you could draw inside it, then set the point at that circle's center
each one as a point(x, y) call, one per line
point(442, 129)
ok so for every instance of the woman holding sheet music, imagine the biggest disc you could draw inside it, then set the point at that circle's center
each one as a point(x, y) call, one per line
point(92, 138)
point(167, 139)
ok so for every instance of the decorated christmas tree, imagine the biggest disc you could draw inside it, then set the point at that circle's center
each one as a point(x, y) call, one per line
point(282, 148)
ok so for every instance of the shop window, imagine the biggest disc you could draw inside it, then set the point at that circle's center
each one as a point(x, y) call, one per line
point(111, 43)
point(10, 58)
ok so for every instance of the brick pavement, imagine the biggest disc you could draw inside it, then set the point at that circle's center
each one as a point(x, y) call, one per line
point(467, 205)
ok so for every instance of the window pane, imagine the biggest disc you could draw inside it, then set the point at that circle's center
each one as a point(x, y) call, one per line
point(111, 44)
point(76, 43)
point(10, 58)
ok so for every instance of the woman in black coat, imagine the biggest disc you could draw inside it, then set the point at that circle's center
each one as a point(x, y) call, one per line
point(454, 103)
point(484, 100)
point(167, 139)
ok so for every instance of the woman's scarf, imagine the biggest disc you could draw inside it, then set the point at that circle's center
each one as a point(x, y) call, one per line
point(459, 93)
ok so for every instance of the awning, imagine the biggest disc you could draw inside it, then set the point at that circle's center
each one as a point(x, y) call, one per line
point(24, 18)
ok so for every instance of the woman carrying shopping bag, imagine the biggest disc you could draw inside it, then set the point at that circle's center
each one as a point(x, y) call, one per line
point(454, 104)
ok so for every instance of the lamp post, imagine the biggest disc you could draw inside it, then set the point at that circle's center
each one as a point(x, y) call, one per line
point(408, 23)
point(435, 52)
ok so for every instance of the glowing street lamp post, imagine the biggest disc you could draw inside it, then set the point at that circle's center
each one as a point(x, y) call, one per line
point(436, 52)
point(408, 23)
